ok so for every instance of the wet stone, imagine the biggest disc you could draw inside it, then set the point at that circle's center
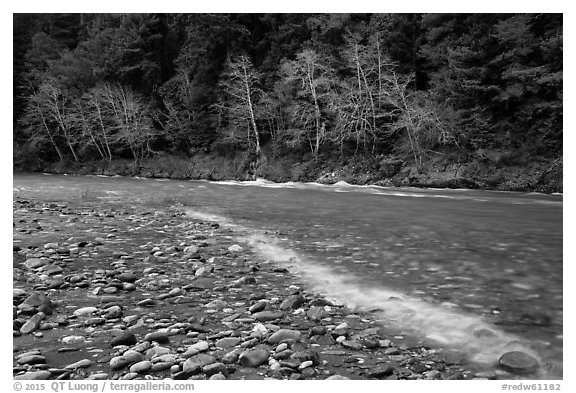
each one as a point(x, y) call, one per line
point(215, 368)
point(265, 316)
point(125, 339)
point(197, 362)
point(32, 359)
point(146, 303)
point(79, 364)
point(254, 357)
point(141, 367)
point(316, 313)
point(293, 302)
point(284, 334)
point(33, 323)
point(160, 338)
point(337, 377)
point(34, 375)
point(228, 342)
point(518, 362)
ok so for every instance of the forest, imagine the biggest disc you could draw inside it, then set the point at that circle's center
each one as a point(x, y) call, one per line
point(442, 100)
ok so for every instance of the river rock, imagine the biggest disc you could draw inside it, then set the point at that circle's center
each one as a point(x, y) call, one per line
point(141, 367)
point(34, 375)
point(157, 352)
point(69, 340)
point(113, 312)
point(79, 364)
point(94, 321)
point(32, 359)
point(380, 371)
point(35, 263)
point(197, 362)
point(265, 316)
point(231, 357)
point(293, 302)
point(254, 357)
point(33, 323)
point(39, 301)
point(129, 277)
point(160, 338)
point(235, 248)
point(146, 303)
point(228, 342)
point(316, 313)
point(84, 311)
point(119, 362)
point(351, 344)
point(518, 362)
point(284, 334)
point(215, 368)
point(200, 346)
point(337, 377)
point(133, 356)
point(125, 339)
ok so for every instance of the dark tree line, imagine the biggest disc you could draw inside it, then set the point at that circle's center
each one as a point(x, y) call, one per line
point(107, 86)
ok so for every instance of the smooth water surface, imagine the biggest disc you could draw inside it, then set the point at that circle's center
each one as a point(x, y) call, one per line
point(476, 270)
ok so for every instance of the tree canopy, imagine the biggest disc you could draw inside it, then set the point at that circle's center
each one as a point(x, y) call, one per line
point(105, 86)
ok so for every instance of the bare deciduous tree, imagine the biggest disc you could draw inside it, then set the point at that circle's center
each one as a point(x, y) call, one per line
point(242, 94)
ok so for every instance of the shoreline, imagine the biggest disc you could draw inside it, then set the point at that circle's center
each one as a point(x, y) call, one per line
point(186, 300)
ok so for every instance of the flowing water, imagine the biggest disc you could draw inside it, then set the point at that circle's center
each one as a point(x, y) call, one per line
point(476, 271)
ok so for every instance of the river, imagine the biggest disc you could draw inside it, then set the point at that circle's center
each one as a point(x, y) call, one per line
point(478, 271)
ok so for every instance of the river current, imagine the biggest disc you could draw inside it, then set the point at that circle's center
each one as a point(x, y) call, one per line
point(477, 271)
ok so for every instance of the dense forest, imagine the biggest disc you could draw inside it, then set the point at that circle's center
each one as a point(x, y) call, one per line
point(449, 100)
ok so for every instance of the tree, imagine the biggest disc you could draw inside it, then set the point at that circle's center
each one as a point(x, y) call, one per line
point(416, 116)
point(314, 82)
point(241, 89)
point(128, 117)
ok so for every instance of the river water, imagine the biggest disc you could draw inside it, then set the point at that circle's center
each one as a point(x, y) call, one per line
point(477, 271)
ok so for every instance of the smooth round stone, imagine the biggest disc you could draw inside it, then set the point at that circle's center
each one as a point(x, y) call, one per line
point(197, 362)
point(518, 362)
point(128, 277)
point(338, 377)
point(141, 367)
point(227, 342)
point(157, 351)
point(79, 364)
point(34, 263)
point(194, 349)
point(133, 356)
point(146, 303)
point(160, 366)
point(254, 357)
point(98, 377)
point(118, 362)
point(84, 311)
point(34, 375)
point(215, 368)
point(32, 359)
point(235, 248)
point(160, 338)
point(284, 334)
point(125, 339)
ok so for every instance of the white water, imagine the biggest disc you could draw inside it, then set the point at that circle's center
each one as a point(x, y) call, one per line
point(441, 324)
point(343, 186)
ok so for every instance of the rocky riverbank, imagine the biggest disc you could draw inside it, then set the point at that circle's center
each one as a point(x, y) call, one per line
point(106, 291)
